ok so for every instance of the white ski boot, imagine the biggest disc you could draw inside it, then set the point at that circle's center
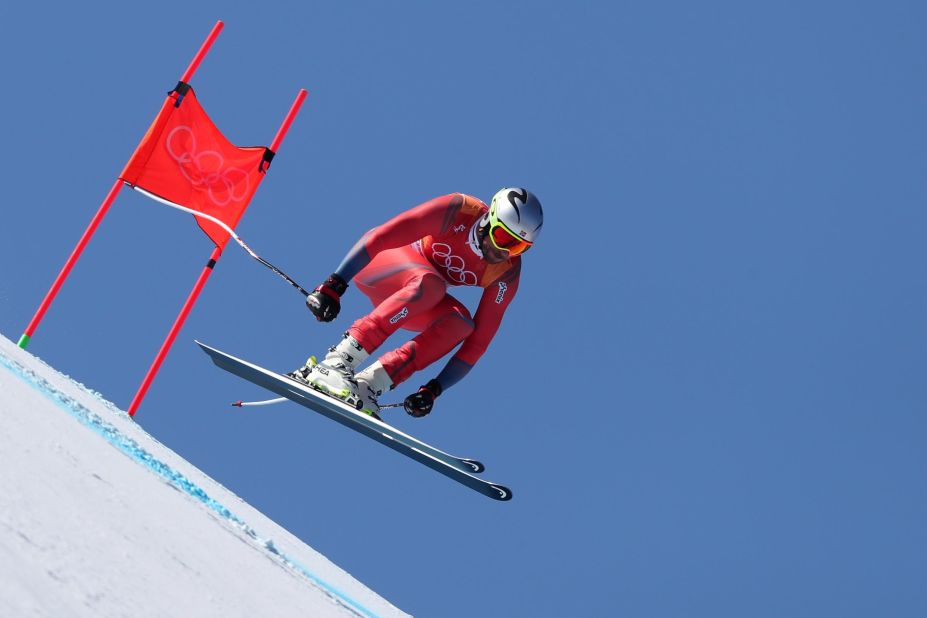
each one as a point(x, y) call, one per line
point(302, 374)
point(371, 383)
point(334, 376)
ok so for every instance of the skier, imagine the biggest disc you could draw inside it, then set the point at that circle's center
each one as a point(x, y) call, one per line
point(404, 266)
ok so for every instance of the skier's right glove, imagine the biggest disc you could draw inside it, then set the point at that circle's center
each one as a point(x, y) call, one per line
point(419, 404)
point(325, 301)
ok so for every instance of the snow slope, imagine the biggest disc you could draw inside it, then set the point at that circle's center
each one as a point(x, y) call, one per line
point(99, 519)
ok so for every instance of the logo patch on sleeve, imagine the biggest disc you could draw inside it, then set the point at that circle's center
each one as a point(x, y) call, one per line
point(503, 286)
point(399, 316)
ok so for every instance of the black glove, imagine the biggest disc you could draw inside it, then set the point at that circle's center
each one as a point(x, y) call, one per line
point(324, 302)
point(419, 404)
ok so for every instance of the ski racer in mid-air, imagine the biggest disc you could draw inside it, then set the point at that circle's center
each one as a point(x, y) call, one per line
point(405, 266)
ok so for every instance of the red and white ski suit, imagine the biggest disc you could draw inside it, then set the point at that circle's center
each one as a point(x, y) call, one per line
point(405, 266)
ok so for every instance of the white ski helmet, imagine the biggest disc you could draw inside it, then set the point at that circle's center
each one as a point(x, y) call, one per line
point(514, 220)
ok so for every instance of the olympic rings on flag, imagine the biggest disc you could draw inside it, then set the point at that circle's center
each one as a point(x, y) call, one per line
point(205, 168)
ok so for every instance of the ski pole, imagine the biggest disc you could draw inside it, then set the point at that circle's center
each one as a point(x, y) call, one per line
point(267, 402)
point(239, 404)
point(231, 232)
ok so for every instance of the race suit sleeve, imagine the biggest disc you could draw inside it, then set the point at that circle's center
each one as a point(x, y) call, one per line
point(432, 217)
point(495, 300)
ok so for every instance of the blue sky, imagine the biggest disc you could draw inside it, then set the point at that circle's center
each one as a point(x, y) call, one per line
point(708, 395)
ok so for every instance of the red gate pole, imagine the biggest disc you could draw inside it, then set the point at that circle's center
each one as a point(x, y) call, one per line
point(104, 207)
point(204, 48)
point(290, 116)
point(178, 323)
point(69, 264)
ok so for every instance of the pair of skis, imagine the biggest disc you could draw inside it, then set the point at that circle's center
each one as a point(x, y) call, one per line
point(461, 469)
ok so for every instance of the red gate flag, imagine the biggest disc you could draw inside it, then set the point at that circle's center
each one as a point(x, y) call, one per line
point(184, 159)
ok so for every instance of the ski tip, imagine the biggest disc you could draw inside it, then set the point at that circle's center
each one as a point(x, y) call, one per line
point(475, 466)
point(504, 494)
point(213, 353)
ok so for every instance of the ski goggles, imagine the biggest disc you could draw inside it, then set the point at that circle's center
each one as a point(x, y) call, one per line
point(505, 239)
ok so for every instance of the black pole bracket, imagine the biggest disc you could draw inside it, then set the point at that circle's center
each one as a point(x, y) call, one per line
point(182, 88)
point(265, 161)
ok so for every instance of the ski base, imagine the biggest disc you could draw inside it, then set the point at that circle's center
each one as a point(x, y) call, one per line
point(457, 468)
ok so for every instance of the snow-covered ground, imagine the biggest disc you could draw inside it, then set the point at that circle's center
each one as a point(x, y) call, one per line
point(99, 519)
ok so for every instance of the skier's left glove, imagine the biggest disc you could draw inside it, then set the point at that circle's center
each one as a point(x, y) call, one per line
point(325, 301)
point(419, 404)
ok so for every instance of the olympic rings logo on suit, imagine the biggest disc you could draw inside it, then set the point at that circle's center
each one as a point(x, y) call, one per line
point(205, 169)
point(453, 264)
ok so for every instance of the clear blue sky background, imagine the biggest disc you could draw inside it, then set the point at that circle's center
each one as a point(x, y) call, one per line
point(709, 395)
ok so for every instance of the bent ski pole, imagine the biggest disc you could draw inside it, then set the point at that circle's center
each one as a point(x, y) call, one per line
point(231, 232)
point(267, 402)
